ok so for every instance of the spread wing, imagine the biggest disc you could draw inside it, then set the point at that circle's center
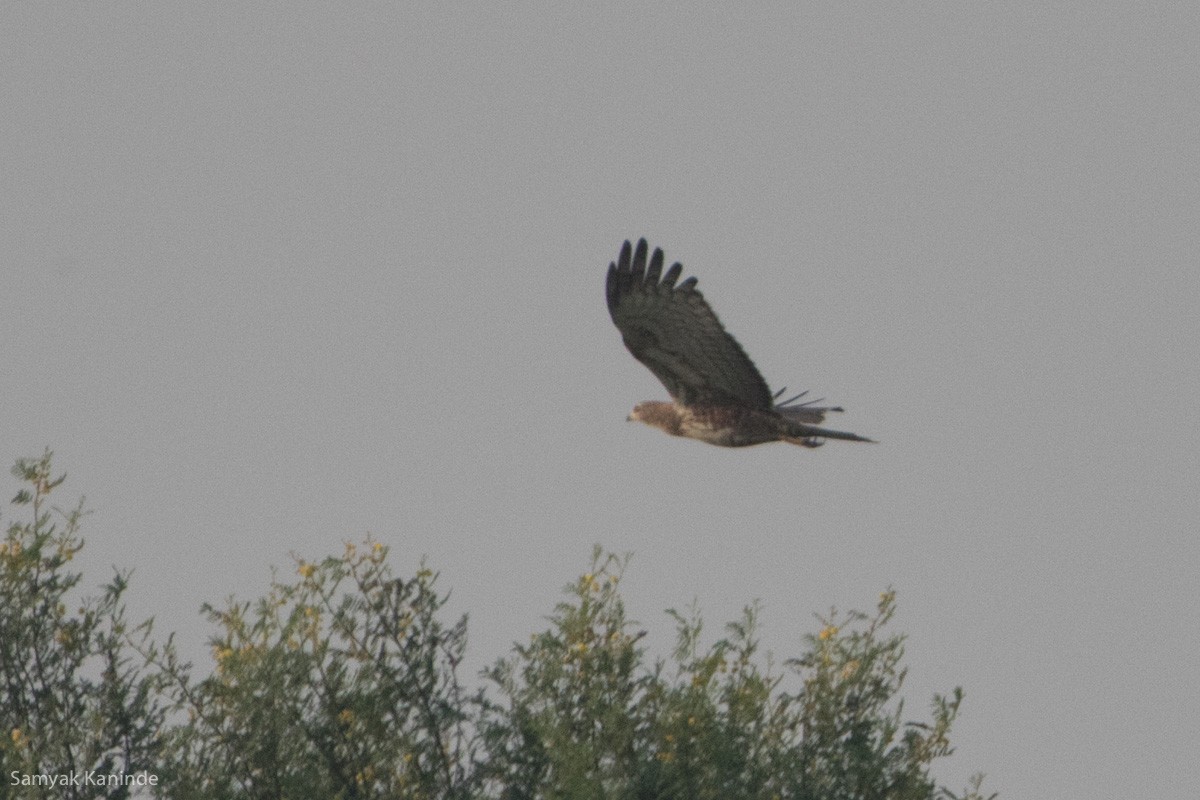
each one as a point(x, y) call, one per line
point(672, 330)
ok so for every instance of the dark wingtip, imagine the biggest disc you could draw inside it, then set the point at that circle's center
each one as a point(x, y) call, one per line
point(625, 257)
point(638, 266)
point(672, 275)
point(656, 264)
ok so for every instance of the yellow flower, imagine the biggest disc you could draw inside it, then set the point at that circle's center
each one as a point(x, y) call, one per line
point(829, 632)
point(346, 717)
point(17, 736)
point(306, 570)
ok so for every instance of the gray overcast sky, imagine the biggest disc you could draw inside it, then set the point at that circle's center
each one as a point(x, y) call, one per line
point(277, 277)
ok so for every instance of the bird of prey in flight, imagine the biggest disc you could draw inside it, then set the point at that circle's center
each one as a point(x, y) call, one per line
point(718, 396)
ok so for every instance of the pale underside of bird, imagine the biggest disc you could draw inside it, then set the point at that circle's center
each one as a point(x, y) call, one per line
point(718, 395)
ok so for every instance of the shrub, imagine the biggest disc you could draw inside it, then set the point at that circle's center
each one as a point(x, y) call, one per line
point(342, 682)
point(76, 701)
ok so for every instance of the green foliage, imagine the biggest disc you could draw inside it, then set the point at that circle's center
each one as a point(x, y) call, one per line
point(585, 719)
point(74, 701)
point(342, 682)
point(570, 728)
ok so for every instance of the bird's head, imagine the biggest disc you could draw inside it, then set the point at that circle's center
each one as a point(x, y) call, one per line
point(657, 414)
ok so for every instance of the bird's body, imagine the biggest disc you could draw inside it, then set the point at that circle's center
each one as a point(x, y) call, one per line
point(729, 426)
point(718, 395)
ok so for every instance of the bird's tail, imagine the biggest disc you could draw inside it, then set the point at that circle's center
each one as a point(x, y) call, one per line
point(809, 411)
point(798, 416)
point(812, 436)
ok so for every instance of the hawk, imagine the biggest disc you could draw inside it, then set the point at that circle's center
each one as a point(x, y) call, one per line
point(718, 395)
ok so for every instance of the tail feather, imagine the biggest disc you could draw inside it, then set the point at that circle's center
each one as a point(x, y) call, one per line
point(811, 435)
point(806, 412)
point(797, 419)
